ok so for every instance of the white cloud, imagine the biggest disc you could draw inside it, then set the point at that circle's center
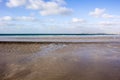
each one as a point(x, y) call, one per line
point(101, 14)
point(109, 23)
point(108, 16)
point(55, 11)
point(97, 12)
point(35, 4)
point(6, 18)
point(2, 24)
point(25, 18)
point(59, 1)
point(78, 20)
point(51, 7)
point(19, 18)
point(15, 3)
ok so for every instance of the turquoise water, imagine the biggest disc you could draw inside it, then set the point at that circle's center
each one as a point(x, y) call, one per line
point(56, 34)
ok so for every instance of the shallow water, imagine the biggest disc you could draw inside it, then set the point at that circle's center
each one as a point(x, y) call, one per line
point(60, 61)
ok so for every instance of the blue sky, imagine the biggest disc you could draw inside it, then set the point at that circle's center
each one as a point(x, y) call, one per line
point(60, 16)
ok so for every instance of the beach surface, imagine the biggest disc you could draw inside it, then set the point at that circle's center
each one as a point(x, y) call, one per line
point(59, 61)
point(95, 38)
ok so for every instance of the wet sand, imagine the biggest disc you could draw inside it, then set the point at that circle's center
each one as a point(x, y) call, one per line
point(102, 38)
point(60, 61)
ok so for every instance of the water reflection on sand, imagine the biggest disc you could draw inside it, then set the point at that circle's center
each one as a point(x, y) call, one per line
point(59, 61)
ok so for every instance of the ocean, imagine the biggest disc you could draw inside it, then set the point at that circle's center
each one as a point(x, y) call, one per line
point(60, 37)
point(51, 35)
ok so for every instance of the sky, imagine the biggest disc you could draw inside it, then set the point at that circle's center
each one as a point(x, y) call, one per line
point(60, 16)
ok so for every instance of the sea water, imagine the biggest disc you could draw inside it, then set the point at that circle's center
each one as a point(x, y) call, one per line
point(56, 35)
point(60, 37)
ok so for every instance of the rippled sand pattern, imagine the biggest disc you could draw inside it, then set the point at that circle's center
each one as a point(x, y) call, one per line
point(59, 61)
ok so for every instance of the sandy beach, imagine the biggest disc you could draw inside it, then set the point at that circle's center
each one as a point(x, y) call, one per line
point(60, 61)
point(74, 39)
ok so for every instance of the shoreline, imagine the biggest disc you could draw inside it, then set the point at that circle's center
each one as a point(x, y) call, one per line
point(74, 39)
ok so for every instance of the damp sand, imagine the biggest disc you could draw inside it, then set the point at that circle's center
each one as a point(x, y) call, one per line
point(60, 61)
